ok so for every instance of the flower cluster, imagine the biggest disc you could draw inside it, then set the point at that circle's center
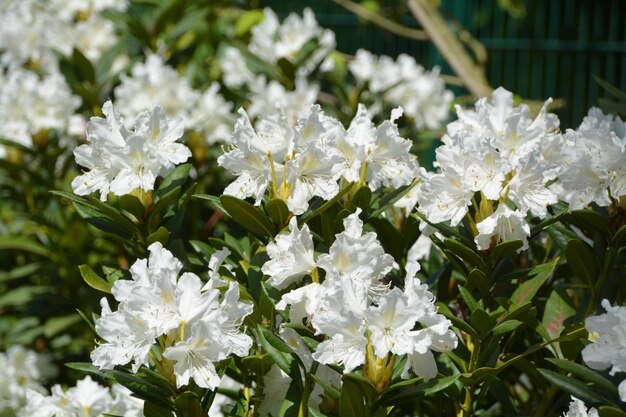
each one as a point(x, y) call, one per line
point(270, 42)
point(194, 324)
point(501, 154)
point(298, 163)
point(404, 83)
point(86, 399)
point(22, 372)
point(594, 159)
point(607, 350)
point(154, 83)
point(364, 322)
point(121, 160)
point(31, 30)
point(577, 409)
point(31, 104)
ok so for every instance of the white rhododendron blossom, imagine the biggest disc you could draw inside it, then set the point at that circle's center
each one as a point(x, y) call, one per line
point(301, 162)
point(22, 373)
point(87, 398)
point(500, 153)
point(31, 105)
point(404, 83)
point(272, 40)
point(595, 163)
point(197, 325)
point(121, 160)
point(608, 348)
point(154, 83)
point(266, 96)
point(577, 408)
point(356, 311)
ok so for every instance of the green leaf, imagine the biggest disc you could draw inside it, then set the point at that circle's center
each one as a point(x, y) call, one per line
point(23, 244)
point(247, 215)
point(608, 411)
point(319, 210)
point(506, 327)
point(391, 398)
point(282, 358)
point(247, 20)
point(583, 261)
point(595, 220)
point(389, 237)
point(305, 52)
point(352, 402)
point(365, 386)
point(584, 373)
point(329, 390)
point(558, 309)
point(85, 367)
point(188, 405)
point(481, 321)
point(476, 279)
point(361, 198)
point(214, 200)
point(176, 178)
point(87, 320)
point(528, 289)
point(466, 253)
point(389, 199)
point(55, 325)
point(278, 212)
point(131, 204)
point(573, 387)
point(619, 238)
point(610, 88)
point(468, 298)
point(160, 235)
point(152, 410)
point(505, 249)
point(83, 66)
point(94, 280)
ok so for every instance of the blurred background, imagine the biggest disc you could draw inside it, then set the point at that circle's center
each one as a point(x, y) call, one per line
point(535, 48)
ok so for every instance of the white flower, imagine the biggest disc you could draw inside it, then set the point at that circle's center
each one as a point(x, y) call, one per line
point(30, 104)
point(266, 96)
point(404, 83)
point(121, 160)
point(235, 72)
point(503, 225)
point(291, 256)
point(443, 197)
point(356, 255)
point(608, 332)
point(527, 189)
point(577, 409)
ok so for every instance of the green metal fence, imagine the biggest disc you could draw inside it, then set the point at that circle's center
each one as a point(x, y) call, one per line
point(552, 52)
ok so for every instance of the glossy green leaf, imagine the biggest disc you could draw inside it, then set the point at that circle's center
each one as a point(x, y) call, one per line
point(505, 249)
point(94, 280)
point(352, 402)
point(278, 212)
point(558, 309)
point(481, 321)
point(506, 327)
point(608, 411)
point(585, 373)
point(176, 178)
point(314, 212)
point(361, 198)
point(528, 289)
point(407, 394)
point(188, 405)
point(583, 261)
point(247, 215)
point(161, 235)
point(595, 220)
point(573, 387)
point(23, 244)
point(466, 253)
point(152, 410)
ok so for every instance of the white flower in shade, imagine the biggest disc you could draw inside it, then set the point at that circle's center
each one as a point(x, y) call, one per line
point(212, 116)
point(272, 41)
point(502, 226)
point(154, 83)
point(235, 72)
point(30, 104)
point(120, 160)
point(356, 255)
point(607, 331)
point(266, 96)
point(94, 36)
point(22, 373)
point(291, 256)
point(596, 156)
point(404, 83)
point(577, 408)
point(86, 398)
